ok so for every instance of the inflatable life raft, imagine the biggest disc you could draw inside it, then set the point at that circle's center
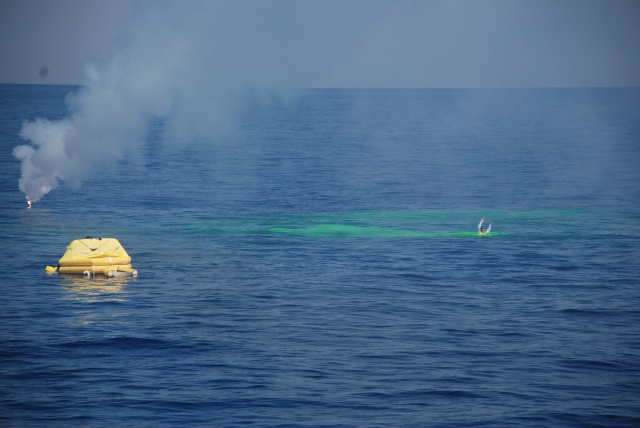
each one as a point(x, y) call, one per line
point(95, 256)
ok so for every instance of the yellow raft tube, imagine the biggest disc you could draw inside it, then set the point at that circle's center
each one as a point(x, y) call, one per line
point(95, 256)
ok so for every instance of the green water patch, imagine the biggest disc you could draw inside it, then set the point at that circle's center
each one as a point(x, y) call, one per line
point(382, 223)
point(347, 230)
point(389, 224)
point(468, 218)
point(431, 223)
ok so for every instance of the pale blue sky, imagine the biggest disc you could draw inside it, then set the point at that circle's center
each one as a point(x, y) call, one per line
point(337, 43)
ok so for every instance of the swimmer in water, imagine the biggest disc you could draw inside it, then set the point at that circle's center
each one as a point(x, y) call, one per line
point(483, 230)
point(29, 203)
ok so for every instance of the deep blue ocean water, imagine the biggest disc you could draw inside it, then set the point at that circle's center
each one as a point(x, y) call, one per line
point(318, 266)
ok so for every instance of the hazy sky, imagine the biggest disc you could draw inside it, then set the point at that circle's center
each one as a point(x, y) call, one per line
point(345, 43)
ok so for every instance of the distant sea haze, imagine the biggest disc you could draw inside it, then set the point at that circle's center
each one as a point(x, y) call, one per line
point(317, 263)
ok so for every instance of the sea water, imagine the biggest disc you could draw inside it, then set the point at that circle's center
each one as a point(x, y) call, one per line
point(319, 265)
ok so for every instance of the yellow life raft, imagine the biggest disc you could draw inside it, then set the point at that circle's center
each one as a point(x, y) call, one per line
point(92, 256)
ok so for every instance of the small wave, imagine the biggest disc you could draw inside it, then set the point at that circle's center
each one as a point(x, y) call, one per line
point(420, 394)
point(591, 364)
point(121, 342)
point(347, 230)
point(563, 268)
point(587, 312)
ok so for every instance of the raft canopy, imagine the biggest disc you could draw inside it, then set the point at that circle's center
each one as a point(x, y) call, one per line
point(93, 256)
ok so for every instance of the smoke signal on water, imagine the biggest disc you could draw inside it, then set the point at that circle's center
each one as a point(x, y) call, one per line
point(189, 67)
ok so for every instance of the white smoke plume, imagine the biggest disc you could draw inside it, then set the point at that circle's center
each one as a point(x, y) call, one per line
point(183, 62)
point(186, 62)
